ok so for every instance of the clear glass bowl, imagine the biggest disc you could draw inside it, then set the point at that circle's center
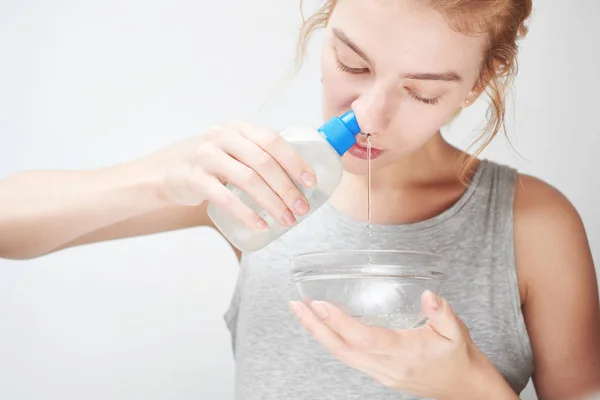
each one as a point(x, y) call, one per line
point(377, 287)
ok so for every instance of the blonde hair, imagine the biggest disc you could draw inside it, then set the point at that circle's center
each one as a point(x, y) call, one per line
point(504, 23)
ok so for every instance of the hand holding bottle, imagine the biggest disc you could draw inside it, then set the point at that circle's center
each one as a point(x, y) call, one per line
point(253, 159)
point(320, 149)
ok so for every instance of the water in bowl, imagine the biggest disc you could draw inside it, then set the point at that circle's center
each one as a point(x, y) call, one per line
point(381, 298)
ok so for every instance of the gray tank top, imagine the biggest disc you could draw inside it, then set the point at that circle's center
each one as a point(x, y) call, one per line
point(277, 359)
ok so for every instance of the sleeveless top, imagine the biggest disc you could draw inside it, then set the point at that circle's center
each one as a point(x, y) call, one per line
point(276, 359)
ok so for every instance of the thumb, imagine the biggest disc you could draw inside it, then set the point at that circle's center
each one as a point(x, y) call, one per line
point(441, 317)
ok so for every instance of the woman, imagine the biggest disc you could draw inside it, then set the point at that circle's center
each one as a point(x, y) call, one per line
point(522, 298)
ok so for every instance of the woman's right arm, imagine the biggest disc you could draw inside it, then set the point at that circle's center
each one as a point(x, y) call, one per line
point(45, 211)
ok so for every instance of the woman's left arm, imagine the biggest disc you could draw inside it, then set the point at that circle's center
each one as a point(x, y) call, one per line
point(559, 292)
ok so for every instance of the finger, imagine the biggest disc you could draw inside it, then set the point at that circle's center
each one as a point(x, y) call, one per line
point(333, 342)
point(228, 201)
point(374, 340)
point(282, 152)
point(252, 155)
point(248, 180)
point(441, 317)
point(321, 332)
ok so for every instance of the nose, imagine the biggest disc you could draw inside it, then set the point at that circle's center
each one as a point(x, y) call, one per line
point(373, 109)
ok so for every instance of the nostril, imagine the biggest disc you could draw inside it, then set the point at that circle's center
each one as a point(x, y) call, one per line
point(373, 134)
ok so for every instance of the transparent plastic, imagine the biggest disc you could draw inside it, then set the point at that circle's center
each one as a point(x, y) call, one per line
point(377, 287)
point(327, 165)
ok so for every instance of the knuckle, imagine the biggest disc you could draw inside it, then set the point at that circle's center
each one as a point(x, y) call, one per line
point(249, 176)
point(290, 192)
point(229, 200)
point(272, 140)
point(213, 134)
point(299, 163)
point(263, 159)
point(207, 150)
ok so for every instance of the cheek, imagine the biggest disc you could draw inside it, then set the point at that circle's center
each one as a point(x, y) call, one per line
point(414, 124)
point(338, 89)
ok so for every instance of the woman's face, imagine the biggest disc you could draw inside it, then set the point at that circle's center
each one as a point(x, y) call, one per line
point(403, 71)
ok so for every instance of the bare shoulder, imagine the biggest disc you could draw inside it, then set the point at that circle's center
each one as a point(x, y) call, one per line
point(543, 205)
point(547, 228)
point(559, 290)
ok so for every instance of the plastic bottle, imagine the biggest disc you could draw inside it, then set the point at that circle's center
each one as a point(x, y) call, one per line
point(322, 150)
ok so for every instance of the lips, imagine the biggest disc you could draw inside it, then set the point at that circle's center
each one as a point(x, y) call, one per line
point(359, 150)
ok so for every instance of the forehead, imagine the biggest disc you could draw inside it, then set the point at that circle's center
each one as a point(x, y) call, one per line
point(408, 33)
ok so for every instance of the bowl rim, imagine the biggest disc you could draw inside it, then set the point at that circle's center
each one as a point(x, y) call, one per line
point(299, 268)
point(363, 251)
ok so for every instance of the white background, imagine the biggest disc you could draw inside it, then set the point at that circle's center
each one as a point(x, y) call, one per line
point(86, 84)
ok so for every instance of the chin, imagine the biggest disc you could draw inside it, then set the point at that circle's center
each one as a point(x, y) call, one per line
point(357, 166)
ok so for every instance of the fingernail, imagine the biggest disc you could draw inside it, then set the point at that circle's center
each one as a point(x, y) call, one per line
point(296, 308)
point(319, 308)
point(308, 179)
point(435, 301)
point(262, 225)
point(288, 218)
point(301, 207)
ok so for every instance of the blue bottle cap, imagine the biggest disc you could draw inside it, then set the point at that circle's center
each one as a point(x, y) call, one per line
point(341, 132)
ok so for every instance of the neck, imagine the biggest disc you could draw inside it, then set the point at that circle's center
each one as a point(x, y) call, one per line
point(415, 187)
point(436, 161)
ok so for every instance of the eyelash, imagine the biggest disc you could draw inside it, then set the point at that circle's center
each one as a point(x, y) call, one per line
point(430, 101)
point(356, 71)
point(350, 70)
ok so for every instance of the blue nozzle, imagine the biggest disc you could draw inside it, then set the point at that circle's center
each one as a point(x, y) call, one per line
point(349, 119)
point(341, 132)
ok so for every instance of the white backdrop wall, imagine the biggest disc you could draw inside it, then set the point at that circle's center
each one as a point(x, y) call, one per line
point(88, 84)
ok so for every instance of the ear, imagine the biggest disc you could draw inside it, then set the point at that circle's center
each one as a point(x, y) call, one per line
point(482, 83)
point(475, 92)
point(470, 99)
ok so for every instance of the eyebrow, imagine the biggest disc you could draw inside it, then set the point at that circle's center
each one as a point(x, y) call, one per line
point(445, 76)
point(427, 76)
point(346, 40)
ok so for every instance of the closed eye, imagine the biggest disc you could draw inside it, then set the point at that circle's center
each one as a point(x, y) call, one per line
point(356, 71)
point(426, 100)
point(344, 68)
